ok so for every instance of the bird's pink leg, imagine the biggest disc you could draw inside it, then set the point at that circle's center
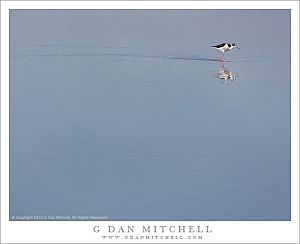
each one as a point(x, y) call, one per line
point(222, 64)
point(222, 57)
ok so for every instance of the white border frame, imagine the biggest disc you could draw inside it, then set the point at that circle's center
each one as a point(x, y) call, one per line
point(82, 232)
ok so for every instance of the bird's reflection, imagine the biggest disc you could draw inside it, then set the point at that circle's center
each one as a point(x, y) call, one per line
point(225, 74)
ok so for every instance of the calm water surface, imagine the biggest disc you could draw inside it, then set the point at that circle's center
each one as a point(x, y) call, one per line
point(141, 133)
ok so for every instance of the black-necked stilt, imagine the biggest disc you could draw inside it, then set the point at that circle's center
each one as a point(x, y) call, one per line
point(224, 47)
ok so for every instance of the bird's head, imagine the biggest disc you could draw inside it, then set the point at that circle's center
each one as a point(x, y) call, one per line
point(234, 45)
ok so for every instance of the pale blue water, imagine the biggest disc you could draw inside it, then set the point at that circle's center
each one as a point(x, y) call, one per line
point(122, 125)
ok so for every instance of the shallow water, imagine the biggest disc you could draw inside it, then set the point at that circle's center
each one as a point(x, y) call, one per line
point(139, 133)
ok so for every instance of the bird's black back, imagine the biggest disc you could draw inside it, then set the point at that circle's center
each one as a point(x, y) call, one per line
point(220, 45)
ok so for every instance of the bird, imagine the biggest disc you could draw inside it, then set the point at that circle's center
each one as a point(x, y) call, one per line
point(224, 47)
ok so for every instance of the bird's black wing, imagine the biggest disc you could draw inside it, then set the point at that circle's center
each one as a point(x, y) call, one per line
point(220, 45)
